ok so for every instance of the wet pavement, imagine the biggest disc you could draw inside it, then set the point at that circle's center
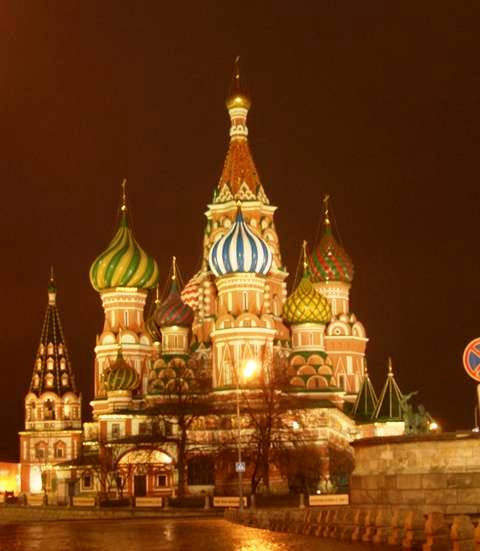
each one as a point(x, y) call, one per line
point(157, 535)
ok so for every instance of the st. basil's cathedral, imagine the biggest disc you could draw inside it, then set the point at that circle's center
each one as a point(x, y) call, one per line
point(182, 384)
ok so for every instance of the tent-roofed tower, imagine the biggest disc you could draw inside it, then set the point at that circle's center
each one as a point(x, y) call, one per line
point(122, 274)
point(389, 406)
point(345, 338)
point(52, 406)
point(366, 402)
point(239, 183)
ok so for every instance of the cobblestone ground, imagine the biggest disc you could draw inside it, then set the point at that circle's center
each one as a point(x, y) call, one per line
point(157, 535)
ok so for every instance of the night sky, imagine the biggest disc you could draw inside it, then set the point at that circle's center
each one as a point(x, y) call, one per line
point(376, 103)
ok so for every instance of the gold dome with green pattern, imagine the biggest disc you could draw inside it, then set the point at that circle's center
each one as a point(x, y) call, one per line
point(306, 305)
point(124, 263)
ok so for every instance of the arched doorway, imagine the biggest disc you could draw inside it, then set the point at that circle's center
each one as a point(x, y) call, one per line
point(146, 472)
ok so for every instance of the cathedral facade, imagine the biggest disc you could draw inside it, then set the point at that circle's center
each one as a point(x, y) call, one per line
point(228, 373)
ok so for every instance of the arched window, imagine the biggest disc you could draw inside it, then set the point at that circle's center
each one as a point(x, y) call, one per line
point(49, 410)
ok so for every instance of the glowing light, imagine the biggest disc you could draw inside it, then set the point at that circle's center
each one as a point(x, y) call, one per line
point(250, 368)
point(476, 429)
point(35, 480)
point(434, 426)
point(295, 425)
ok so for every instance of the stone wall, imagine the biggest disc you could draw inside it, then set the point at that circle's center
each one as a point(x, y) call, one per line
point(430, 472)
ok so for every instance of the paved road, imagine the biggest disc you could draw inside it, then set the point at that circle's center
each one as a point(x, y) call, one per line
point(156, 535)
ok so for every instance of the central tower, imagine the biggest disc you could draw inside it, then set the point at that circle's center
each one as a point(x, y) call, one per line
point(239, 187)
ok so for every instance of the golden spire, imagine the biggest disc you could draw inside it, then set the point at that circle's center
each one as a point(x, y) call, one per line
point(325, 209)
point(124, 195)
point(390, 367)
point(237, 96)
point(305, 263)
point(365, 368)
point(174, 268)
point(52, 278)
point(157, 294)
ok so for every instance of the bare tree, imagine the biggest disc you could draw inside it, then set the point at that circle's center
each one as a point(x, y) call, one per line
point(184, 399)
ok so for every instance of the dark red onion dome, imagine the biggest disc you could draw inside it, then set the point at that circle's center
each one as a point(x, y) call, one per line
point(329, 261)
point(121, 376)
point(173, 311)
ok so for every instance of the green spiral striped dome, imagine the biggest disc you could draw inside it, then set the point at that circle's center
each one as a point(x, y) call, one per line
point(121, 376)
point(124, 263)
point(306, 305)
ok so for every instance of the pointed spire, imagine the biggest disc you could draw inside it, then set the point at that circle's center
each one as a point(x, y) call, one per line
point(237, 97)
point(239, 178)
point(52, 289)
point(174, 268)
point(52, 370)
point(326, 216)
point(389, 407)
point(305, 257)
point(124, 195)
point(366, 401)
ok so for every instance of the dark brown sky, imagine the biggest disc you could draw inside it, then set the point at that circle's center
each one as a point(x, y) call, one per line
point(374, 102)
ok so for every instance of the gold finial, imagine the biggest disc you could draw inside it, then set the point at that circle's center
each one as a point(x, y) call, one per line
point(237, 73)
point(305, 264)
point(390, 367)
point(157, 294)
point(174, 268)
point(124, 195)
point(51, 274)
point(325, 208)
point(237, 96)
point(365, 368)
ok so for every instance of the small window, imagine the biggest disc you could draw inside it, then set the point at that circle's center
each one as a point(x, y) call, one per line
point(87, 481)
point(39, 452)
point(59, 452)
point(142, 428)
point(161, 480)
point(115, 430)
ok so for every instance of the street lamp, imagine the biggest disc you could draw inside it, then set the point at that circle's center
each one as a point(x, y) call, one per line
point(249, 369)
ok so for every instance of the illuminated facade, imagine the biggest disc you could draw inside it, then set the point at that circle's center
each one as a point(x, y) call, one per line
point(167, 377)
point(53, 426)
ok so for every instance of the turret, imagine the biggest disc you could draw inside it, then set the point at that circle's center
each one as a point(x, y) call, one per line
point(244, 330)
point(123, 275)
point(52, 406)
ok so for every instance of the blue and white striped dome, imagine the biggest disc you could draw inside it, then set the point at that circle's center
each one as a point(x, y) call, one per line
point(240, 250)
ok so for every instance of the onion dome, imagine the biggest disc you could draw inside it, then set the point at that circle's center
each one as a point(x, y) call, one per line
point(173, 311)
point(329, 261)
point(240, 250)
point(305, 304)
point(121, 376)
point(190, 293)
point(124, 263)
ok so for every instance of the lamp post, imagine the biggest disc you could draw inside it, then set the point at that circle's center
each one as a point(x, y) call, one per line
point(247, 372)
